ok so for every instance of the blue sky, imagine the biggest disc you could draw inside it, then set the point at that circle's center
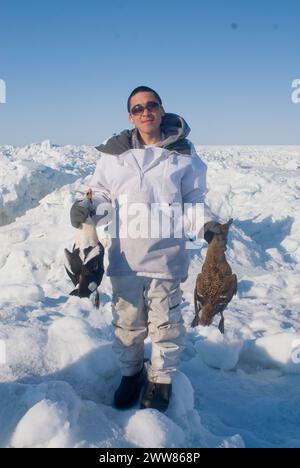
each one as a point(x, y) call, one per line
point(226, 66)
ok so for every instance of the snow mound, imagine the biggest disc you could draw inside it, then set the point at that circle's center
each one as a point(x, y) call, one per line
point(22, 294)
point(39, 415)
point(76, 352)
point(46, 423)
point(31, 182)
point(232, 442)
point(28, 174)
point(219, 351)
point(151, 429)
point(281, 350)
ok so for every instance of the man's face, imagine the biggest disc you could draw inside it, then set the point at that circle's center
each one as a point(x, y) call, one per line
point(147, 121)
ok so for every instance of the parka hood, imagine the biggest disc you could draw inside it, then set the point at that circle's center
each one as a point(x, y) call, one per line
point(174, 131)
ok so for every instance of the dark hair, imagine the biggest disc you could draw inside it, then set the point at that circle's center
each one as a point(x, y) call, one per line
point(142, 89)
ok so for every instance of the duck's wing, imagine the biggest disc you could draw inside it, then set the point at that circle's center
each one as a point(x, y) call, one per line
point(231, 286)
point(198, 300)
point(73, 264)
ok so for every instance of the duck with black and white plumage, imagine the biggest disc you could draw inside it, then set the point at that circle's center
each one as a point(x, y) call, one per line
point(84, 264)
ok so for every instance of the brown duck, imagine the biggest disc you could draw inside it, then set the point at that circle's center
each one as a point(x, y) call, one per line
point(215, 285)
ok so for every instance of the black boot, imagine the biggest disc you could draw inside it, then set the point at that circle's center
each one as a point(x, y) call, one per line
point(129, 390)
point(157, 396)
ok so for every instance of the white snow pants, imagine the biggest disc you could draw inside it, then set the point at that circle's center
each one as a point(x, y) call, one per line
point(146, 306)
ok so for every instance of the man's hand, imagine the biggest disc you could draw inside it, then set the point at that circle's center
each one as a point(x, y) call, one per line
point(210, 229)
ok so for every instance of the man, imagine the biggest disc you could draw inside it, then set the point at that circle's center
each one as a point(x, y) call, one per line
point(153, 164)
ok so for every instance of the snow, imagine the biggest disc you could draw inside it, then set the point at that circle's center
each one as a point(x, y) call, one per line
point(236, 390)
point(281, 350)
point(149, 428)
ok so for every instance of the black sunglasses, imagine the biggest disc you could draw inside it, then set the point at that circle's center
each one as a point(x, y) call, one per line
point(139, 109)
